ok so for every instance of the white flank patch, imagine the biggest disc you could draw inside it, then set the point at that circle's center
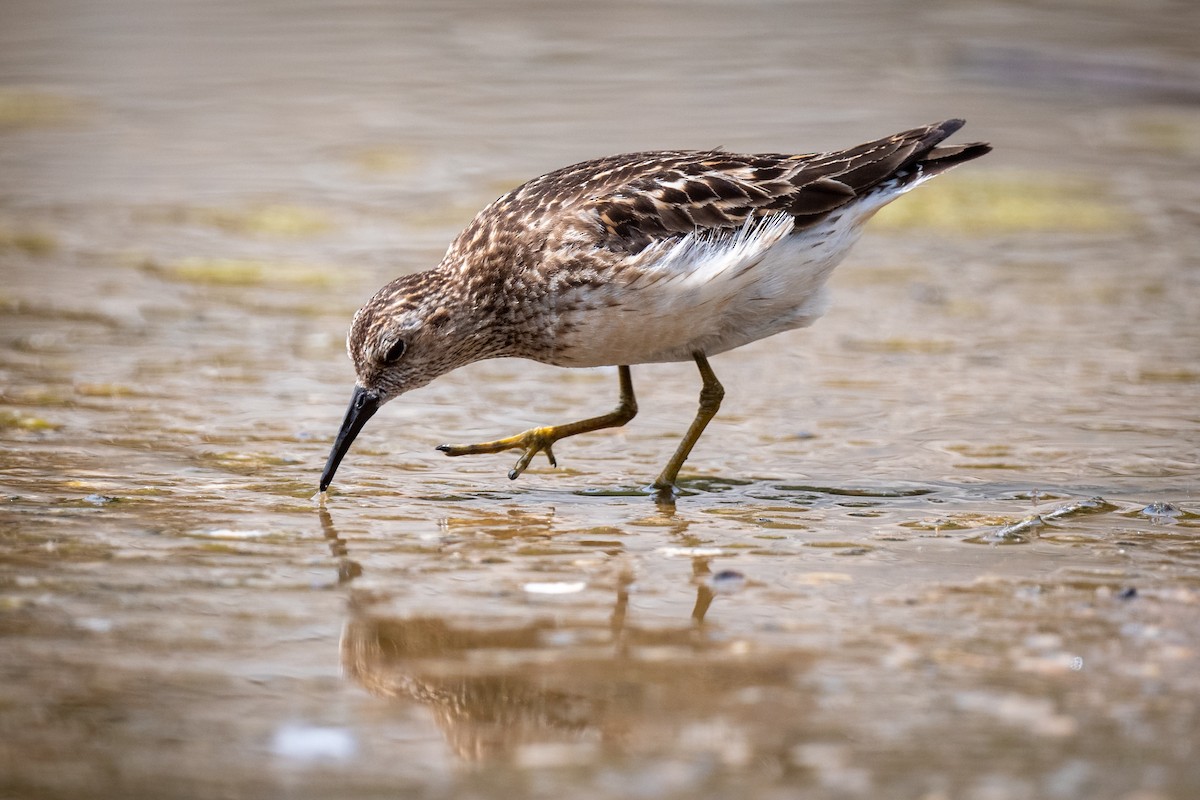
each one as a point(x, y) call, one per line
point(704, 256)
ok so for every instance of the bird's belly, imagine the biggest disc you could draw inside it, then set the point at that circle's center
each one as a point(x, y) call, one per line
point(670, 318)
point(638, 336)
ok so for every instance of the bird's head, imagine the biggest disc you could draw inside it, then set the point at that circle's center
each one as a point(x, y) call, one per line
point(403, 338)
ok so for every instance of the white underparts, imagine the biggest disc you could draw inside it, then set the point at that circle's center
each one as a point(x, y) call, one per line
point(712, 291)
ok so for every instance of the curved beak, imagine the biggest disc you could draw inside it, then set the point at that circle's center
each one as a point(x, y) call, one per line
point(363, 405)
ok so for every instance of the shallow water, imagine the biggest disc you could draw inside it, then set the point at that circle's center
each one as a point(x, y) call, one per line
point(945, 544)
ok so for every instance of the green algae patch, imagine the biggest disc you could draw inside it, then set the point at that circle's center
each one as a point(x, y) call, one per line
point(1168, 374)
point(33, 242)
point(384, 160)
point(1169, 132)
point(902, 345)
point(271, 220)
point(14, 420)
point(104, 390)
point(22, 107)
point(34, 396)
point(974, 204)
point(247, 272)
point(283, 221)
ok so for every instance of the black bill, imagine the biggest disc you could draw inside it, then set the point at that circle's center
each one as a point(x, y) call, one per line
point(363, 405)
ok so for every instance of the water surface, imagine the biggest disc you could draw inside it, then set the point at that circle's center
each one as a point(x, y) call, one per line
point(942, 545)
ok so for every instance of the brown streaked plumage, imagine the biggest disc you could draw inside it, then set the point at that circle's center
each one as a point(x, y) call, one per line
point(633, 259)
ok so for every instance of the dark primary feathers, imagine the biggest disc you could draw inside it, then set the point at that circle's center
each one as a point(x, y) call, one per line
point(626, 202)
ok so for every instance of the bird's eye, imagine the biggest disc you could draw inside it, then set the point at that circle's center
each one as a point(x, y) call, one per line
point(394, 352)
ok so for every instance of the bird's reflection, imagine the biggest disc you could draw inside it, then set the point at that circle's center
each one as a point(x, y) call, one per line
point(347, 568)
point(498, 685)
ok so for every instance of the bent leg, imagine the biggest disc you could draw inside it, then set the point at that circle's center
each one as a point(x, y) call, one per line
point(541, 439)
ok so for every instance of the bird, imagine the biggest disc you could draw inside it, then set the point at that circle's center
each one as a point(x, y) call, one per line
point(641, 258)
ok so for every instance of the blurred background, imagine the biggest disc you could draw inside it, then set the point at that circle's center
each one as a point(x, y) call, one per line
point(941, 545)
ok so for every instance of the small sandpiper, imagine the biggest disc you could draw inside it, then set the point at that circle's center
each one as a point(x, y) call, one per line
point(633, 259)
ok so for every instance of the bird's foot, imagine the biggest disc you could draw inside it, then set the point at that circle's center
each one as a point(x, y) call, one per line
point(532, 442)
point(664, 494)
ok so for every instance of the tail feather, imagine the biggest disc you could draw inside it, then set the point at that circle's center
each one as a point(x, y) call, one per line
point(940, 159)
point(881, 170)
point(933, 159)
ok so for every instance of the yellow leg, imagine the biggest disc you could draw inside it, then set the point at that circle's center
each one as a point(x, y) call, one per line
point(711, 393)
point(540, 439)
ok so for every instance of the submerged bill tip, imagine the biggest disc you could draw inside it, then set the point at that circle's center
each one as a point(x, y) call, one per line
point(363, 405)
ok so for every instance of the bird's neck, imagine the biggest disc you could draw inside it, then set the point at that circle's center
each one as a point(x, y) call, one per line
point(496, 313)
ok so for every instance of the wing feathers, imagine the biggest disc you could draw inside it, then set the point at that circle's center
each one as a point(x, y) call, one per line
point(686, 191)
point(627, 203)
